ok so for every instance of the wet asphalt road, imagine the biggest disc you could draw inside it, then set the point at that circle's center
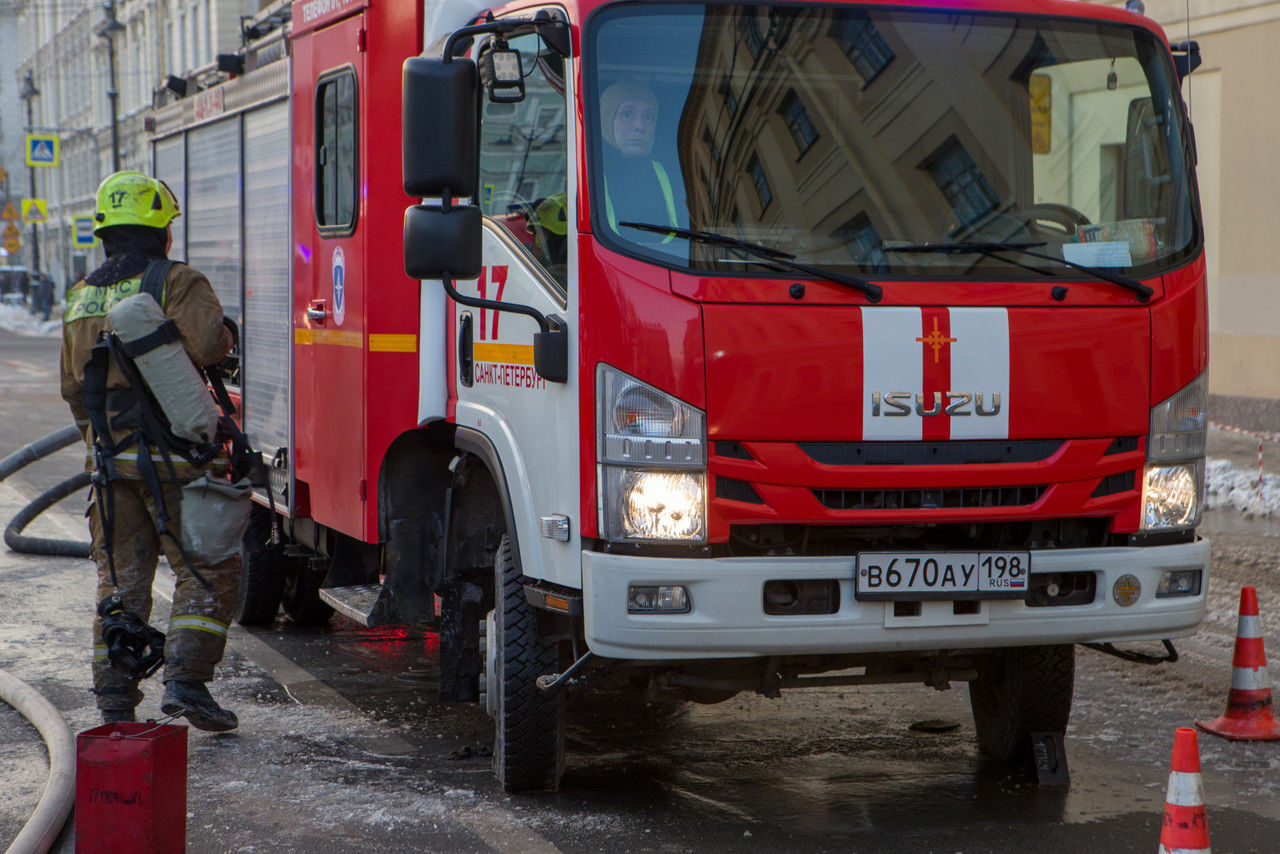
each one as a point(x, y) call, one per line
point(342, 747)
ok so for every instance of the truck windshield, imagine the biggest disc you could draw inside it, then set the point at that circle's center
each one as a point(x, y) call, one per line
point(837, 133)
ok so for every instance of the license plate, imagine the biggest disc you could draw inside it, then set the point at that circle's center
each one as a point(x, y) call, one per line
point(914, 576)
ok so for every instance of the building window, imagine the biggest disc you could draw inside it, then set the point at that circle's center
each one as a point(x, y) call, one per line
point(711, 145)
point(862, 240)
point(863, 44)
point(730, 100)
point(761, 182)
point(798, 122)
point(962, 183)
point(336, 153)
point(751, 32)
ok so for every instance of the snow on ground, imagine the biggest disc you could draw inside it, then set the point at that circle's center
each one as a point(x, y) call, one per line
point(1242, 490)
point(16, 318)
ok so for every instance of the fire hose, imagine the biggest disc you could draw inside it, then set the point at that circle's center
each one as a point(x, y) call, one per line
point(22, 458)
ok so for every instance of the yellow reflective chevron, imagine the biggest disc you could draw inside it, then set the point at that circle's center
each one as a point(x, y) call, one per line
point(199, 624)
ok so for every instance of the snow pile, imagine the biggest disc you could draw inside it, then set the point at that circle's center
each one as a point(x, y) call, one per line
point(1232, 488)
point(16, 318)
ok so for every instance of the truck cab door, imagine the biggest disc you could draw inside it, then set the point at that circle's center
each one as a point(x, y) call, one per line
point(528, 250)
point(330, 272)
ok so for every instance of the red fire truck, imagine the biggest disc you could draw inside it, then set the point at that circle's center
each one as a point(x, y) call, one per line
point(693, 349)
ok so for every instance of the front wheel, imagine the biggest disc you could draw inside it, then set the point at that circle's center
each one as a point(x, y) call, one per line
point(528, 752)
point(1020, 691)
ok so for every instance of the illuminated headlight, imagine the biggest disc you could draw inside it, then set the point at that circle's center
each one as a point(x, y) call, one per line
point(656, 505)
point(1173, 482)
point(653, 462)
point(672, 599)
point(1171, 496)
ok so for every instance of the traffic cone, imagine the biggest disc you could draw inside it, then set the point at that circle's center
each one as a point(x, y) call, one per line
point(1186, 827)
point(1248, 715)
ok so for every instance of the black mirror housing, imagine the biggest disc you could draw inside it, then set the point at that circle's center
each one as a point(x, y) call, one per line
point(440, 243)
point(440, 130)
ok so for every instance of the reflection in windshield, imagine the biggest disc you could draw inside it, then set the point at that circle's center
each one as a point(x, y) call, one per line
point(823, 131)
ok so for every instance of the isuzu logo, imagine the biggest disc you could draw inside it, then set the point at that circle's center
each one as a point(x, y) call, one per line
point(892, 404)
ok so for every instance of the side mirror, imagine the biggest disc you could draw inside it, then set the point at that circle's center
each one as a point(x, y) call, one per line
point(442, 243)
point(440, 127)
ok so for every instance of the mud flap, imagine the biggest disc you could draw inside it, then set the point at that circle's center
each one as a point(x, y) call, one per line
point(462, 606)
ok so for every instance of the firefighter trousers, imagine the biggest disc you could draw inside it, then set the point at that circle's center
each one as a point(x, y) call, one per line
point(198, 621)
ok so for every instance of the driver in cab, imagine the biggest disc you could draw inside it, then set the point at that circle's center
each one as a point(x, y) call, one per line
point(636, 186)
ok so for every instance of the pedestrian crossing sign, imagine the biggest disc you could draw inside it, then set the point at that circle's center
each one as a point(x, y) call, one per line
point(83, 234)
point(34, 210)
point(42, 149)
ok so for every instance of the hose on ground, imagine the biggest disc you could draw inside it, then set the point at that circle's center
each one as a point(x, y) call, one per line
point(24, 457)
point(42, 828)
point(14, 538)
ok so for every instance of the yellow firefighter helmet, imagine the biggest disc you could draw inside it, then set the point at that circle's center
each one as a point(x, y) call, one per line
point(131, 198)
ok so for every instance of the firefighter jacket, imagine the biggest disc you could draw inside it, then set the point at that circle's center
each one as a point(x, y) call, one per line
point(188, 300)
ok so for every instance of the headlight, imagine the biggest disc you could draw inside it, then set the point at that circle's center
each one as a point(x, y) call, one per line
point(1171, 496)
point(1178, 425)
point(652, 454)
point(1173, 481)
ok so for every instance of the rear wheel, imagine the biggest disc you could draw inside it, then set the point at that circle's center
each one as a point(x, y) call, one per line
point(528, 752)
point(301, 597)
point(264, 569)
point(1018, 692)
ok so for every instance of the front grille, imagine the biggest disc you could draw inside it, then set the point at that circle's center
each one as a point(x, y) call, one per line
point(733, 450)
point(928, 499)
point(736, 490)
point(1122, 482)
point(1123, 445)
point(930, 453)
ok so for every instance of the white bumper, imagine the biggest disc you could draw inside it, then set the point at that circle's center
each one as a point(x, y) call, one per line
point(727, 619)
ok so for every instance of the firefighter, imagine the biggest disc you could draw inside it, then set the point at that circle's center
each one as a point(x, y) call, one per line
point(636, 186)
point(550, 227)
point(132, 509)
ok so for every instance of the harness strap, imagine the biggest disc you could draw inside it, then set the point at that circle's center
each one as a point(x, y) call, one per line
point(153, 278)
point(165, 333)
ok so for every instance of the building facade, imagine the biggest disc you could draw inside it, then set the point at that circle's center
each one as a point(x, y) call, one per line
point(64, 46)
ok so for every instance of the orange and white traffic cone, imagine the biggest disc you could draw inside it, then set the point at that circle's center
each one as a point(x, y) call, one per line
point(1186, 826)
point(1248, 716)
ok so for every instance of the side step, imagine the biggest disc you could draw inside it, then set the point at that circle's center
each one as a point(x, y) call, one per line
point(359, 602)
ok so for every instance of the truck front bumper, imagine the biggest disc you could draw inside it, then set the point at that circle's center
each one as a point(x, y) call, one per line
point(727, 618)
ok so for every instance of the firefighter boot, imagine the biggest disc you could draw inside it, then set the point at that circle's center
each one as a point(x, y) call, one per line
point(118, 716)
point(192, 700)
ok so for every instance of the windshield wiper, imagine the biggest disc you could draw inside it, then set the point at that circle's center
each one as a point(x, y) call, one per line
point(1141, 291)
point(766, 253)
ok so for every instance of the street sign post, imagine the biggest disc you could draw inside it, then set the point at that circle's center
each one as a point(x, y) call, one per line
point(82, 236)
point(42, 149)
point(34, 210)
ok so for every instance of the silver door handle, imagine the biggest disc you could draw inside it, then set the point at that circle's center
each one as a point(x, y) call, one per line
point(316, 315)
